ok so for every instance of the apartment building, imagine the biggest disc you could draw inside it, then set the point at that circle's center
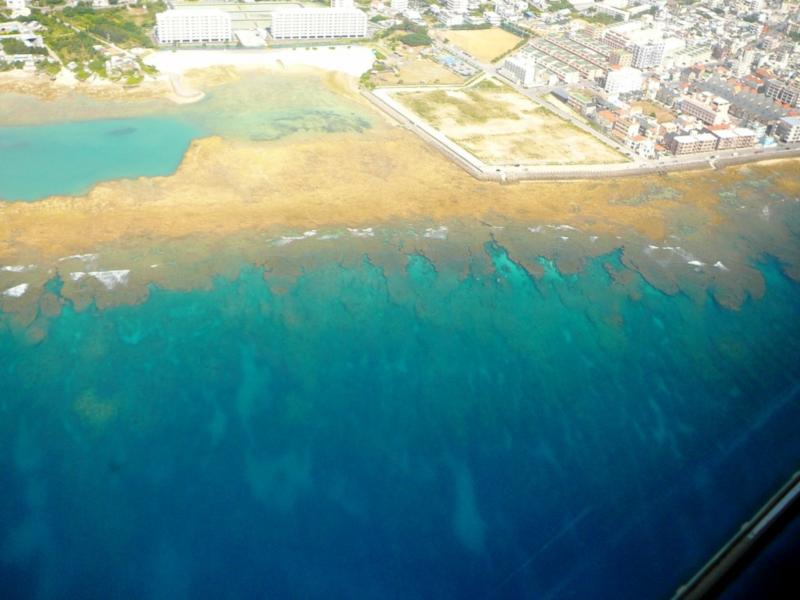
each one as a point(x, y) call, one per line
point(647, 55)
point(731, 139)
point(692, 144)
point(782, 91)
point(788, 130)
point(193, 26)
point(710, 110)
point(521, 69)
point(318, 23)
point(623, 80)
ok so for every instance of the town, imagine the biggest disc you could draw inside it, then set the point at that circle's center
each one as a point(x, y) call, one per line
point(614, 86)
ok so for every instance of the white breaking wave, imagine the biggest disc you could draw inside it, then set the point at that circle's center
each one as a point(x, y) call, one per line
point(563, 227)
point(18, 268)
point(697, 263)
point(361, 233)
point(436, 233)
point(537, 229)
point(721, 266)
point(16, 291)
point(109, 279)
point(288, 239)
point(81, 257)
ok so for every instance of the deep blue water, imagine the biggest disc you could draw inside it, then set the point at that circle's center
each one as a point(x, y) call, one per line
point(371, 433)
point(68, 158)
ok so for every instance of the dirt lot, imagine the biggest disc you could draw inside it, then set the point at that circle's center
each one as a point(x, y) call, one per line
point(650, 108)
point(413, 70)
point(483, 44)
point(500, 126)
point(399, 64)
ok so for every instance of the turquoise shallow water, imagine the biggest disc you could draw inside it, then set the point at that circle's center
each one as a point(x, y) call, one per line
point(68, 158)
point(411, 432)
point(66, 148)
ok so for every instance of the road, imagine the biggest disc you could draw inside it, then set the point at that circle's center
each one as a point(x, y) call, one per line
point(635, 165)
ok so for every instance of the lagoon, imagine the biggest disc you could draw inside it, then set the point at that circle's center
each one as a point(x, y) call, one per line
point(68, 158)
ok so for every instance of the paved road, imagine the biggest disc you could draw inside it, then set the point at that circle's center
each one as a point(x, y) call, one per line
point(636, 166)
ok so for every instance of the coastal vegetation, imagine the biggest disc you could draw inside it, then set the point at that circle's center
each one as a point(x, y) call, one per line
point(416, 39)
point(16, 46)
point(67, 43)
point(116, 26)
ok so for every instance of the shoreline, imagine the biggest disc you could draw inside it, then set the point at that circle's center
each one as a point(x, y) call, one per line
point(381, 99)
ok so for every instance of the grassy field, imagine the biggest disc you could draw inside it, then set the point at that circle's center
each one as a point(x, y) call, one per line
point(483, 44)
point(500, 126)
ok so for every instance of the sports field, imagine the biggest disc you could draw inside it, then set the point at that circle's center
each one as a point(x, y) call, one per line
point(484, 44)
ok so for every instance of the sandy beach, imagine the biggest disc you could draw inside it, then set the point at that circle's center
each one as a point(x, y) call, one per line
point(352, 60)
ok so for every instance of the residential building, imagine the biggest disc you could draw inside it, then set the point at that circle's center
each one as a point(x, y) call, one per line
point(692, 144)
point(621, 58)
point(729, 139)
point(788, 130)
point(710, 110)
point(341, 3)
point(521, 69)
point(623, 80)
point(16, 5)
point(399, 6)
point(625, 127)
point(458, 7)
point(647, 55)
point(318, 23)
point(193, 26)
point(786, 92)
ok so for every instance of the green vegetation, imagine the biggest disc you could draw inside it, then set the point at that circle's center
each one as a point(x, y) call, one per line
point(116, 26)
point(406, 27)
point(469, 27)
point(51, 68)
point(416, 39)
point(68, 44)
point(10, 66)
point(366, 82)
point(15, 46)
point(599, 18)
point(559, 5)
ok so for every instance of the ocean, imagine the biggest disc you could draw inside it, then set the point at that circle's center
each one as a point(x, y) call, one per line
point(439, 409)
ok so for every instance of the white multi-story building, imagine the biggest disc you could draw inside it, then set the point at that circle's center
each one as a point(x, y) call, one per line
point(15, 5)
point(399, 6)
point(193, 26)
point(709, 110)
point(521, 69)
point(647, 55)
point(788, 130)
point(623, 80)
point(341, 3)
point(458, 7)
point(318, 23)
